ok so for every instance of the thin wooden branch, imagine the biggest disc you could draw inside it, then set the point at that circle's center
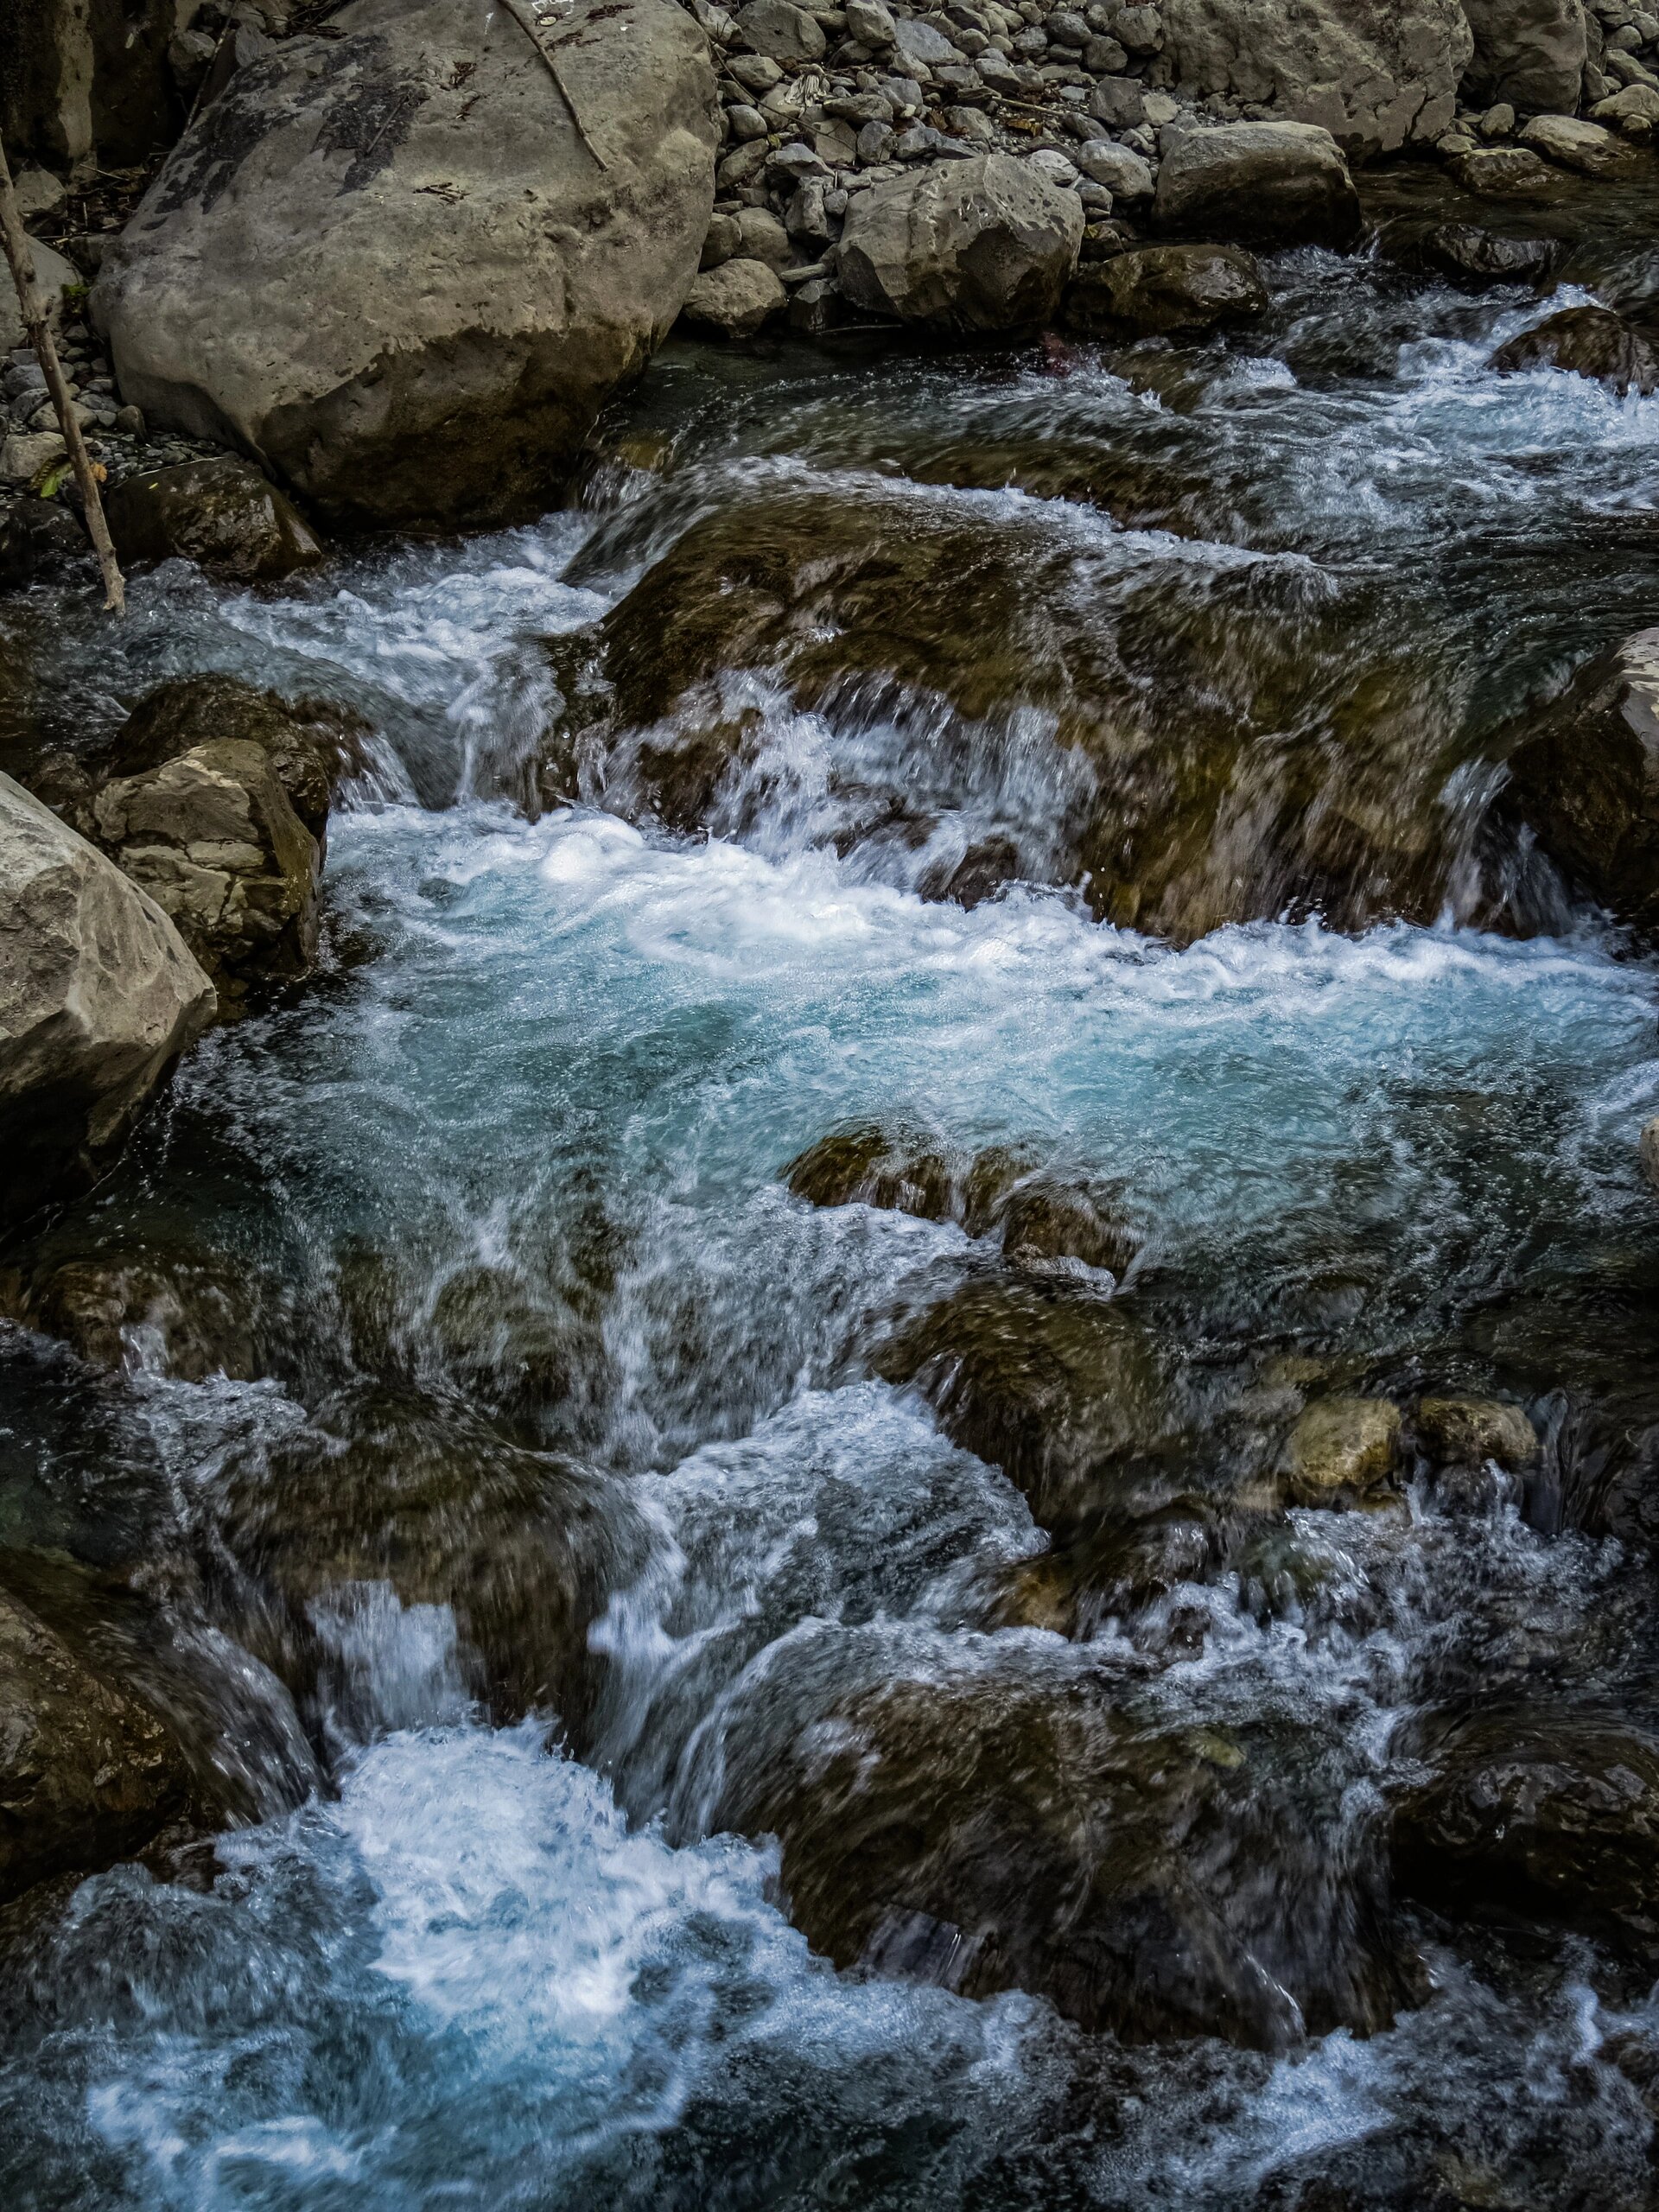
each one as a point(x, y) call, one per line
point(14, 239)
point(524, 14)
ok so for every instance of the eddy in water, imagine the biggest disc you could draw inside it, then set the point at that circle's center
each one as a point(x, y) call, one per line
point(829, 1273)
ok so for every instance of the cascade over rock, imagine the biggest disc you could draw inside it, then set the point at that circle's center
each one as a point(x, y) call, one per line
point(395, 267)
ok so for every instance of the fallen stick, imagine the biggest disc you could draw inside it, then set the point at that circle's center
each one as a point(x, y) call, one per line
point(14, 239)
point(524, 14)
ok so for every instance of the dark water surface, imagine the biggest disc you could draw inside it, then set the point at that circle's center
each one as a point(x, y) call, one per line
point(576, 1510)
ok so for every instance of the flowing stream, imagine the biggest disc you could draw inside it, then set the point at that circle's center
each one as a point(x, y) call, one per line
point(564, 1527)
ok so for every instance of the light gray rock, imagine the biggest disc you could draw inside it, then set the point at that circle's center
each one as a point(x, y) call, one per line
point(214, 839)
point(97, 998)
point(1258, 184)
point(1124, 174)
point(1574, 145)
point(986, 243)
point(390, 266)
point(1530, 52)
point(52, 273)
point(736, 299)
point(871, 23)
point(1373, 72)
point(780, 30)
point(915, 40)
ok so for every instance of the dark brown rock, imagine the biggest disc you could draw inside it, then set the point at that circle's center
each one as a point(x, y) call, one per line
point(1591, 342)
point(1167, 290)
point(221, 514)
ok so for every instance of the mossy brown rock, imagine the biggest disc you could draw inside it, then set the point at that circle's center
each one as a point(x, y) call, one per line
point(1589, 342)
point(1586, 779)
point(1160, 291)
point(1343, 1446)
point(221, 514)
point(1537, 1809)
point(88, 1773)
point(1011, 1829)
point(1466, 1431)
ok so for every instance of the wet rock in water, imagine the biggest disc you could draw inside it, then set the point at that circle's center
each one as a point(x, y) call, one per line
point(1586, 779)
point(97, 998)
point(221, 514)
point(38, 539)
point(1375, 76)
point(986, 243)
point(1470, 256)
point(391, 266)
point(212, 837)
point(88, 1774)
point(1528, 52)
point(1504, 173)
point(388, 1485)
point(1649, 1151)
point(1536, 1809)
point(1005, 1831)
point(983, 870)
point(313, 744)
point(1059, 1388)
point(193, 1315)
point(884, 1168)
point(1467, 1431)
point(1588, 342)
point(1342, 1446)
point(1169, 289)
point(1043, 1220)
point(1257, 184)
point(1573, 143)
point(736, 299)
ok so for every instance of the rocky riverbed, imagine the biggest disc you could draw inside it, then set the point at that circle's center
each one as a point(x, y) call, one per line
point(829, 1277)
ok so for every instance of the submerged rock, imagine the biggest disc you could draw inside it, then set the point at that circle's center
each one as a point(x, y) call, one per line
point(97, 998)
point(1586, 779)
point(212, 837)
point(1258, 184)
point(1164, 290)
point(1464, 1432)
point(38, 541)
point(1537, 1810)
point(88, 1773)
point(986, 243)
point(403, 269)
point(1004, 1830)
point(196, 1311)
point(221, 514)
point(1589, 342)
point(1342, 1446)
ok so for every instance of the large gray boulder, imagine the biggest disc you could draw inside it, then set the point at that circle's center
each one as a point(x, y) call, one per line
point(1374, 73)
point(1528, 53)
point(98, 997)
point(1258, 184)
point(982, 244)
point(404, 270)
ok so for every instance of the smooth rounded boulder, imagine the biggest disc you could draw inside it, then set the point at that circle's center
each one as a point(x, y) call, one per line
point(403, 267)
point(982, 244)
point(1257, 184)
point(98, 996)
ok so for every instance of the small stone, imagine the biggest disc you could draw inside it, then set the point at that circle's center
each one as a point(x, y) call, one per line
point(1054, 164)
point(1467, 1431)
point(1497, 122)
point(37, 193)
point(756, 72)
point(870, 24)
point(736, 299)
point(762, 237)
point(781, 30)
point(1649, 1152)
point(746, 122)
point(1105, 57)
point(1125, 176)
point(875, 143)
point(1344, 1444)
point(24, 458)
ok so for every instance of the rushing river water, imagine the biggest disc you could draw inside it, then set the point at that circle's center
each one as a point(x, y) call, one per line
point(571, 1521)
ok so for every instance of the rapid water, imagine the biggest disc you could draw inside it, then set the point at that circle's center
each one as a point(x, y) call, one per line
point(565, 1526)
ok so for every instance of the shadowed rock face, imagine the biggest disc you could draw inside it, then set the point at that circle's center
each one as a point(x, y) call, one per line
point(97, 998)
point(1528, 52)
point(221, 514)
point(389, 265)
point(1590, 342)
